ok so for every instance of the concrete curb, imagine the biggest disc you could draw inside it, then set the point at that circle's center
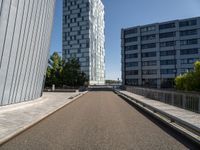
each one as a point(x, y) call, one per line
point(40, 118)
point(169, 120)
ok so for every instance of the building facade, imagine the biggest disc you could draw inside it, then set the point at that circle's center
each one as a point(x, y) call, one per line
point(153, 55)
point(83, 37)
point(25, 31)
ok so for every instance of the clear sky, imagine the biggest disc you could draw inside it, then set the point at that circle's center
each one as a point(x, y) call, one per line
point(126, 13)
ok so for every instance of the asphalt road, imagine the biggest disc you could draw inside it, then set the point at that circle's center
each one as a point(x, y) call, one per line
point(98, 121)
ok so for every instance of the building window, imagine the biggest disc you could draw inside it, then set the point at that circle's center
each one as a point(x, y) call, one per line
point(167, 44)
point(168, 53)
point(184, 70)
point(166, 26)
point(65, 3)
point(132, 72)
point(188, 61)
point(87, 44)
point(189, 42)
point(73, 37)
point(149, 63)
point(130, 31)
point(131, 56)
point(168, 71)
point(149, 72)
point(188, 23)
point(168, 62)
point(189, 51)
point(149, 82)
point(65, 36)
point(147, 29)
point(146, 46)
point(148, 37)
point(132, 47)
point(167, 82)
point(65, 19)
point(132, 39)
point(131, 82)
point(188, 32)
point(73, 20)
point(167, 35)
point(149, 54)
point(131, 64)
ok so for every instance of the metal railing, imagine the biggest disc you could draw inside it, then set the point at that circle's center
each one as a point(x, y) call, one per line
point(185, 100)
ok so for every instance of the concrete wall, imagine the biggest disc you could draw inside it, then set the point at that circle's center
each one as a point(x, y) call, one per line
point(25, 27)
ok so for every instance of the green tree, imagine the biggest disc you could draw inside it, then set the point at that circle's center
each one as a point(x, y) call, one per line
point(72, 75)
point(189, 81)
point(54, 70)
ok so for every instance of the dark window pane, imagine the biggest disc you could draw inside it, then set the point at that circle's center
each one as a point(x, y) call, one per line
point(146, 46)
point(166, 26)
point(188, 32)
point(130, 31)
point(167, 35)
point(132, 47)
point(167, 44)
point(132, 72)
point(148, 37)
point(167, 53)
point(149, 63)
point(189, 51)
point(189, 42)
point(131, 55)
point(148, 54)
point(131, 64)
point(188, 23)
point(132, 39)
point(168, 62)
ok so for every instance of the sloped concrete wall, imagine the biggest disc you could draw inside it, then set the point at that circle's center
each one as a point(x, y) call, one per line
point(25, 31)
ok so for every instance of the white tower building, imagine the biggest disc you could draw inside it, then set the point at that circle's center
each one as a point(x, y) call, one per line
point(83, 37)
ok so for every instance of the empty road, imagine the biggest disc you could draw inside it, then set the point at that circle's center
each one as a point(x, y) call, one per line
point(99, 120)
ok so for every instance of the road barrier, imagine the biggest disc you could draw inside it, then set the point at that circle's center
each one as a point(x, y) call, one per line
point(183, 127)
point(185, 100)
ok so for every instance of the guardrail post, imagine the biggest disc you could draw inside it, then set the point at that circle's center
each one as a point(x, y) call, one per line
point(184, 101)
point(173, 99)
point(199, 105)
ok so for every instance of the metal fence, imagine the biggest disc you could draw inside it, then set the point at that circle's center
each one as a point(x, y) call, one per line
point(185, 100)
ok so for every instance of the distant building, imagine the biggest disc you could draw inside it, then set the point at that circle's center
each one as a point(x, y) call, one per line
point(25, 32)
point(83, 37)
point(153, 55)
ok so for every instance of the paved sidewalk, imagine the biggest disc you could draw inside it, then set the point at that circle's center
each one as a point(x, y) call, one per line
point(17, 117)
point(191, 118)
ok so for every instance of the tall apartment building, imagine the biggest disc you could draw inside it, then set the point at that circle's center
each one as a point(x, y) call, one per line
point(25, 33)
point(83, 37)
point(153, 55)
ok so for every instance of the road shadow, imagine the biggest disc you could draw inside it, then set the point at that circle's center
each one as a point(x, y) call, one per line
point(169, 130)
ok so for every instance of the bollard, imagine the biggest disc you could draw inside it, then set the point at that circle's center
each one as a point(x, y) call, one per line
point(53, 87)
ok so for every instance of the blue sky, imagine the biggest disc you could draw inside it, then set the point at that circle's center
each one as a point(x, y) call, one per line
point(126, 13)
